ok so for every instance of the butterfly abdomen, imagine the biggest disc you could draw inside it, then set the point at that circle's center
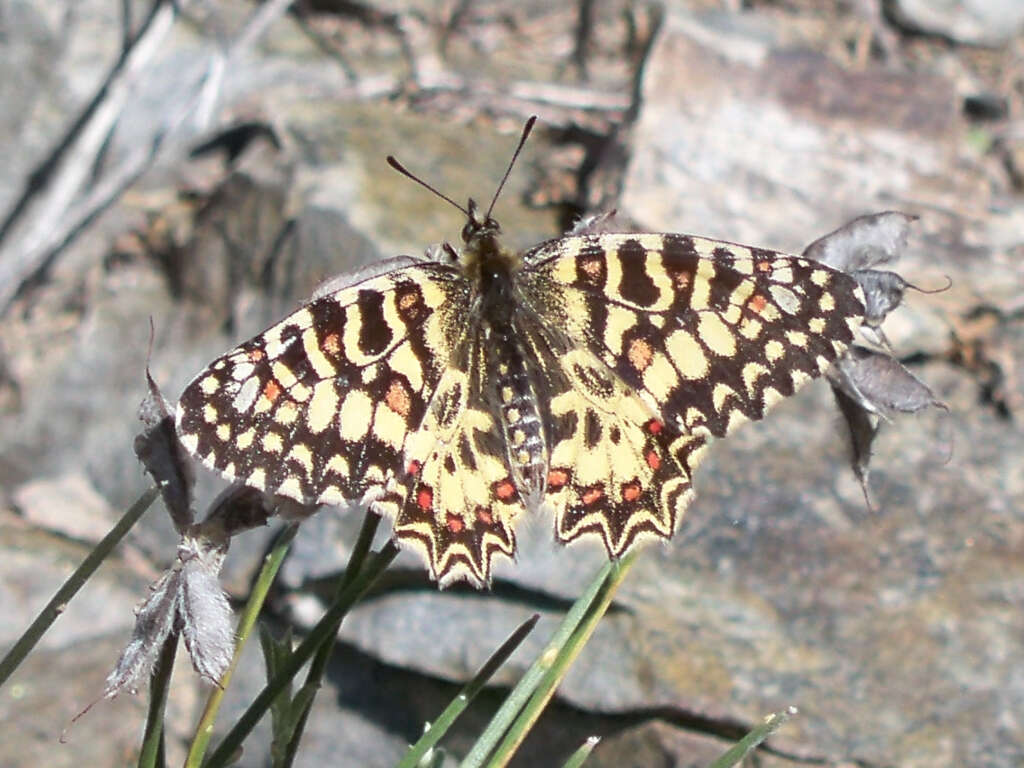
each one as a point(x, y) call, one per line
point(512, 390)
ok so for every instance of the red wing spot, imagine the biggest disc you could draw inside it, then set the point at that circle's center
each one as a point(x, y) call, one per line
point(653, 460)
point(757, 302)
point(557, 478)
point(455, 523)
point(413, 468)
point(764, 266)
point(425, 498)
point(631, 491)
point(592, 496)
point(484, 516)
point(255, 355)
point(504, 490)
point(331, 344)
point(654, 426)
point(271, 390)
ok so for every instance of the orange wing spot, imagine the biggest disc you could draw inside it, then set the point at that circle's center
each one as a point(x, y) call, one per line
point(398, 399)
point(640, 354)
point(331, 344)
point(413, 468)
point(504, 490)
point(408, 300)
point(591, 267)
point(631, 491)
point(425, 498)
point(455, 523)
point(557, 478)
point(592, 496)
point(255, 355)
point(682, 279)
point(484, 516)
point(764, 266)
point(757, 302)
point(272, 390)
point(654, 426)
point(653, 460)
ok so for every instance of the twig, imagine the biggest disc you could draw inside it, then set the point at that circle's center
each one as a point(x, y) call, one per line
point(31, 249)
point(58, 219)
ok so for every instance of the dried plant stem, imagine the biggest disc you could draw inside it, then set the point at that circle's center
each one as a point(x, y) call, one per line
point(75, 582)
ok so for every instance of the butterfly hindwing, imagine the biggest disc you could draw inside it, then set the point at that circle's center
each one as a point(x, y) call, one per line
point(616, 469)
point(460, 500)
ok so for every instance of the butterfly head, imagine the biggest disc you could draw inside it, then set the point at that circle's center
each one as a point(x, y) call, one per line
point(479, 229)
point(483, 254)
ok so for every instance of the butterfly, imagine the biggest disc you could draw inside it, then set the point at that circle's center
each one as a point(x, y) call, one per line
point(460, 392)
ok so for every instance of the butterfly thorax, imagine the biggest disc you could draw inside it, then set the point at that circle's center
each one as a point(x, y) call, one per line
point(510, 389)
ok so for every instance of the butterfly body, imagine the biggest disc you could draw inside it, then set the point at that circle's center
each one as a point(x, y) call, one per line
point(583, 377)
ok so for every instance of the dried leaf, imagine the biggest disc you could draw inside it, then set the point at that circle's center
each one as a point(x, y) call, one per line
point(880, 384)
point(203, 608)
point(154, 620)
point(864, 242)
point(163, 456)
point(883, 292)
point(239, 508)
point(596, 224)
point(187, 598)
point(863, 428)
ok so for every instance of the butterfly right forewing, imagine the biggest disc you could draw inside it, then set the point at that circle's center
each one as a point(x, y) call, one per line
point(319, 407)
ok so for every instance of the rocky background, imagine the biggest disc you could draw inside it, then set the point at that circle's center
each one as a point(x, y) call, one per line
point(207, 169)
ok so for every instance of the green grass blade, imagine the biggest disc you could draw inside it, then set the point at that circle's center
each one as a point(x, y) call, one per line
point(752, 740)
point(318, 668)
point(577, 758)
point(75, 582)
point(326, 628)
point(527, 685)
point(444, 721)
point(258, 595)
point(152, 754)
point(564, 655)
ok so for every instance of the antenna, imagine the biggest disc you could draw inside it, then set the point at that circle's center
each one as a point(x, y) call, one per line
point(408, 174)
point(469, 213)
point(515, 156)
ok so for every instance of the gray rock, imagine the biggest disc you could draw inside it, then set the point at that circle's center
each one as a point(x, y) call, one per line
point(974, 22)
point(896, 633)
